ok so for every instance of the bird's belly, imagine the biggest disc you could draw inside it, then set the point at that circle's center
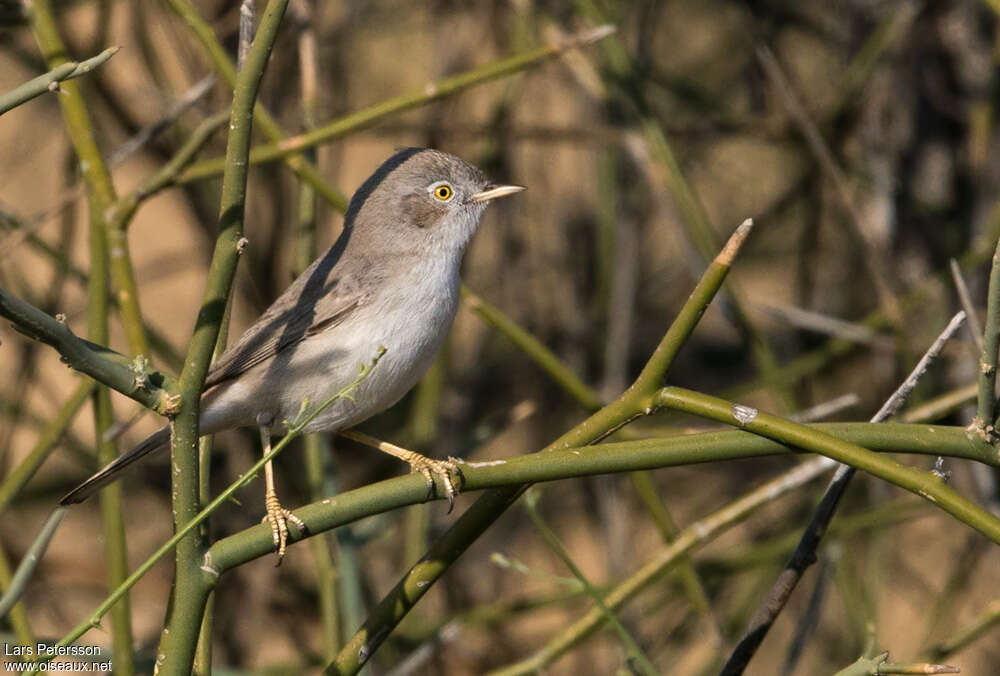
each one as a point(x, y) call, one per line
point(323, 365)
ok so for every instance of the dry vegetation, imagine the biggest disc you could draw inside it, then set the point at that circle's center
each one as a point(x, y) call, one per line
point(859, 135)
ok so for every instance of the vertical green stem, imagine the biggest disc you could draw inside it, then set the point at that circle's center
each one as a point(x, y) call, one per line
point(191, 584)
point(306, 251)
point(100, 195)
point(305, 170)
point(986, 407)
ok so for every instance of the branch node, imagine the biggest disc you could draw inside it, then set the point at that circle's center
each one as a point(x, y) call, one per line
point(980, 430)
point(140, 367)
point(169, 405)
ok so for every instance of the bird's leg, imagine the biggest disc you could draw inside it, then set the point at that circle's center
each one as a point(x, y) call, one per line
point(428, 467)
point(277, 516)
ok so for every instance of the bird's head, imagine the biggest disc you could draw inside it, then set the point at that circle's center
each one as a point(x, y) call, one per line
point(423, 200)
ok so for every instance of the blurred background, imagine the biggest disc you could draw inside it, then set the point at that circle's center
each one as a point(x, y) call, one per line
point(860, 136)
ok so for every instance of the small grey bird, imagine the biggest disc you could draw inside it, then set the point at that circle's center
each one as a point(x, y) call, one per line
point(391, 279)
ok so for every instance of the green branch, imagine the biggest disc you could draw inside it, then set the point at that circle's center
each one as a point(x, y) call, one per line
point(370, 116)
point(108, 255)
point(153, 389)
point(925, 484)
point(633, 403)
point(21, 475)
point(180, 636)
point(305, 170)
point(986, 620)
point(209, 569)
point(626, 456)
point(49, 82)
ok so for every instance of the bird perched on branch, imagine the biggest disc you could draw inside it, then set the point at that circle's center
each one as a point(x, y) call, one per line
point(391, 279)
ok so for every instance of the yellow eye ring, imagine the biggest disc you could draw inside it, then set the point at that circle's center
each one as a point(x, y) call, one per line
point(443, 192)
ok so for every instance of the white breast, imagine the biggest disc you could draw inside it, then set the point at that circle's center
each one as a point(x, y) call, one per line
point(410, 319)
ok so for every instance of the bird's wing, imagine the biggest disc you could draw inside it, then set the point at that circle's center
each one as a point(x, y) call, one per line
point(293, 317)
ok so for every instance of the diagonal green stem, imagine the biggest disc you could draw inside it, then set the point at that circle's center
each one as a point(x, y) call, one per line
point(21, 475)
point(436, 91)
point(49, 82)
point(633, 403)
point(305, 170)
point(636, 657)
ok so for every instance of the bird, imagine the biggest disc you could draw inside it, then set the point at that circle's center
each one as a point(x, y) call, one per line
point(390, 281)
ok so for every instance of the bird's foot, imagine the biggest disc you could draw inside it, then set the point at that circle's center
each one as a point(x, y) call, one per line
point(443, 469)
point(278, 517)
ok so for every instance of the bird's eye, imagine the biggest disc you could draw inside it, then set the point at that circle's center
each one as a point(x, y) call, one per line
point(442, 192)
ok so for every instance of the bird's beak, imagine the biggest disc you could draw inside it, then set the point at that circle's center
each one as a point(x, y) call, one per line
point(492, 192)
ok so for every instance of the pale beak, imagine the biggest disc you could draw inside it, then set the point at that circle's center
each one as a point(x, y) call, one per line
point(492, 192)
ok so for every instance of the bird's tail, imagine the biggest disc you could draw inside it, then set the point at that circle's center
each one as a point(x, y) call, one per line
point(110, 473)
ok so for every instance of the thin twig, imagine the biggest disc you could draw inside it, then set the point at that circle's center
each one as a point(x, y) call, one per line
point(432, 92)
point(983, 424)
point(30, 561)
point(18, 478)
point(805, 552)
point(985, 621)
point(635, 656)
point(966, 300)
point(827, 408)
point(828, 163)
point(177, 108)
point(827, 325)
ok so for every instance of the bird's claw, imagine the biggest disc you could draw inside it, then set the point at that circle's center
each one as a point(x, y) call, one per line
point(278, 517)
point(443, 469)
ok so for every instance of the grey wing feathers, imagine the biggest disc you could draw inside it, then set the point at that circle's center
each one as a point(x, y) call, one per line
point(292, 318)
point(110, 472)
point(318, 300)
